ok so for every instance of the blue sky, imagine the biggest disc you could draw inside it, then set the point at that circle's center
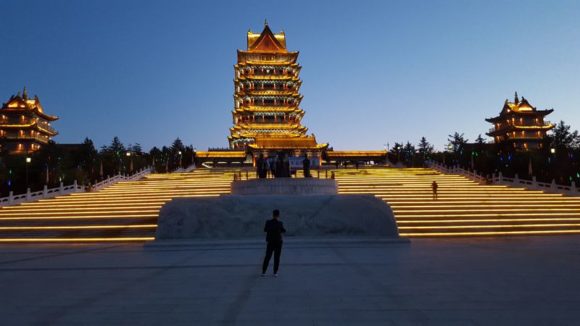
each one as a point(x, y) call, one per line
point(373, 71)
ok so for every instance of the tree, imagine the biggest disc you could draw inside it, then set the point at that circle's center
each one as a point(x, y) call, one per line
point(136, 148)
point(177, 146)
point(408, 152)
point(396, 153)
point(425, 148)
point(562, 138)
point(457, 142)
point(479, 140)
point(88, 157)
point(116, 146)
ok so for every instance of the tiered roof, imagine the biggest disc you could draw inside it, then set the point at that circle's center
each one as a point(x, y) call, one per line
point(267, 98)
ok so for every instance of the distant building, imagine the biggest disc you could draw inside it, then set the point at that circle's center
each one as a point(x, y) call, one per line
point(267, 117)
point(24, 127)
point(520, 125)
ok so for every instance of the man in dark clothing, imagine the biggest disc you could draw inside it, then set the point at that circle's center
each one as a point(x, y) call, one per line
point(274, 229)
point(306, 166)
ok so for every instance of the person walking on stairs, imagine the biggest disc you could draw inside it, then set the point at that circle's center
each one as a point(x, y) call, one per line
point(274, 229)
point(434, 187)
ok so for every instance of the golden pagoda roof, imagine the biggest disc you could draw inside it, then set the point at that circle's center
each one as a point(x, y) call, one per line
point(267, 41)
point(518, 107)
point(20, 103)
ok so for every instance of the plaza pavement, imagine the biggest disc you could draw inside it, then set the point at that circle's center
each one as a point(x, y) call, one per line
point(476, 281)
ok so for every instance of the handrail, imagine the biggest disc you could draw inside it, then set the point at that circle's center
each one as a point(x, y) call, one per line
point(12, 199)
point(552, 187)
point(185, 170)
point(472, 175)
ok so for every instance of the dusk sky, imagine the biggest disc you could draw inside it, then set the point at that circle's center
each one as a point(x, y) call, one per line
point(373, 71)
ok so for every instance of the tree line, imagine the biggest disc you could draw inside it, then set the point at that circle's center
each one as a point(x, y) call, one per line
point(56, 163)
point(558, 159)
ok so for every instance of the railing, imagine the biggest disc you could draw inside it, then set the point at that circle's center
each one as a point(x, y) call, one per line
point(472, 175)
point(552, 187)
point(45, 193)
point(12, 199)
point(185, 170)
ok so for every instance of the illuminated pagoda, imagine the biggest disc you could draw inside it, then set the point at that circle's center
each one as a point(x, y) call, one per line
point(520, 125)
point(24, 127)
point(267, 114)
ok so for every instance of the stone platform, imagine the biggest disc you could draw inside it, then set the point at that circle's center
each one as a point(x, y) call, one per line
point(476, 281)
point(243, 216)
point(285, 186)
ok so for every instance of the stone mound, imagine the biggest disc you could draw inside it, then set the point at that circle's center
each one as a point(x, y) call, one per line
point(235, 217)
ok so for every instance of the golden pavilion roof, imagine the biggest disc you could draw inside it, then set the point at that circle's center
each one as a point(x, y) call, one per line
point(267, 41)
point(21, 103)
point(518, 107)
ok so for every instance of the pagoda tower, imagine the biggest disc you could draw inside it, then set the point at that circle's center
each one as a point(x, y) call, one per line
point(520, 125)
point(24, 127)
point(267, 114)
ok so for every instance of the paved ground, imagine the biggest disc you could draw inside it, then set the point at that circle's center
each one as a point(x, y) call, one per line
point(517, 281)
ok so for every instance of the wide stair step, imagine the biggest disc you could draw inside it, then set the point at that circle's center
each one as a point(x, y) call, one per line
point(126, 211)
point(463, 207)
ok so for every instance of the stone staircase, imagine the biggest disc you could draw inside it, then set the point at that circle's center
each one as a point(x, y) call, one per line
point(126, 211)
point(463, 207)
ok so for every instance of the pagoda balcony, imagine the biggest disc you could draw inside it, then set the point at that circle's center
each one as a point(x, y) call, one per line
point(271, 76)
point(47, 127)
point(510, 126)
point(42, 139)
point(524, 137)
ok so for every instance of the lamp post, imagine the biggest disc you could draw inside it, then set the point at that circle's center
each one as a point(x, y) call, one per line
point(180, 158)
point(130, 162)
point(28, 160)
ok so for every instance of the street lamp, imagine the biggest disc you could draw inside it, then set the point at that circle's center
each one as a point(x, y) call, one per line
point(553, 150)
point(131, 162)
point(180, 158)
point(28, 160)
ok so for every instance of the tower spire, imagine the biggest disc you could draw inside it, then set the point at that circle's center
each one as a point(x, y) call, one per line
point(24, 93)
point(516, 99)
point(265, 22)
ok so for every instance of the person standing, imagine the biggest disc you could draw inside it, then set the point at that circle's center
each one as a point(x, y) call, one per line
point(274, 229)
point(306, 166)
point(434, 187)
